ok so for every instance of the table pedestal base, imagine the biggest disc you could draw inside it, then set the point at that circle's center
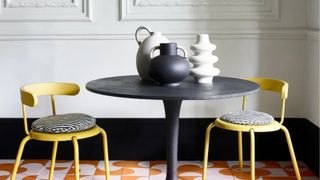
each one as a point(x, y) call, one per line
point(172, 110)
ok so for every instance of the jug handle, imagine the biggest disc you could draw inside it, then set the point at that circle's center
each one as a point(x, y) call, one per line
point(140, 29)
point(183, 50)
point(152, 50)
point(158, 47)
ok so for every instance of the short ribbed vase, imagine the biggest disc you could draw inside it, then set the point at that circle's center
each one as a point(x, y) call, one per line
point(203, 70)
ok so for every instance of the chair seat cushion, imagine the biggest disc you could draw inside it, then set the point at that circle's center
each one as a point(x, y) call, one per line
point(63, 123)
point(247, 118)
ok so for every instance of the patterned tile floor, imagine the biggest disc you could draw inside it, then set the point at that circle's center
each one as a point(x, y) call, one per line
point(154, 170)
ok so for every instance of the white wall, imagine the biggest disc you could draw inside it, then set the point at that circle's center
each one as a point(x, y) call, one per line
point(313, 63)
point(313, 14)
point(95, 38)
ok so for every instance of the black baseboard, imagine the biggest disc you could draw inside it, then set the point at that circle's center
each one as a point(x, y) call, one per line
point(144, 139)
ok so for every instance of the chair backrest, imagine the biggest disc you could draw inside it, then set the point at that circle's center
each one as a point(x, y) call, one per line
point(30, 92)
point(274, 85)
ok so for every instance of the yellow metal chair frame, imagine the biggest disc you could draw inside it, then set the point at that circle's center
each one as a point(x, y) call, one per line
point(272, 85)
point(29, 97)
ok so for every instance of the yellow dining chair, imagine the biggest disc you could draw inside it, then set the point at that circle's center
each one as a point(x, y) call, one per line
point(253, 121)
point(56, 128)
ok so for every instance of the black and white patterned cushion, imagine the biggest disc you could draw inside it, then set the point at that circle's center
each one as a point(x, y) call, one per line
point(63, 123)
point(247, 118)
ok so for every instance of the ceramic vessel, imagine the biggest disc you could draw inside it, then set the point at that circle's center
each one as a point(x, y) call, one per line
point(168, 68)
point(143, 57)
point(203, 70)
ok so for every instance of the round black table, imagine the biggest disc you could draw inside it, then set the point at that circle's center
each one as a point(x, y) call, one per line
point(172, 96)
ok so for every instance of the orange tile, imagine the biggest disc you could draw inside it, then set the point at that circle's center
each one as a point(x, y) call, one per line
point(118, 163)
point(304, 171)
point(154, 172)
point(112, 173)
point(245, 173)
point(189, 168)
point(72, 177)
point(63, 161)
point(69, 177)
point(226, 172)
point(93, 162)
point(218, 164)
point(90, 162)
point(132, 177)
point(134, 164)
point(127, 171)
point(30, 178)
point(58, 168)
point(4, 177)
point(271, 164)
point(38, 161)
point(116, 173)
point(279, 178)
point(258, 164)
point(187, 177)
point(238, 167)
point(100, 172)
point(155, 163)
point(9, 167)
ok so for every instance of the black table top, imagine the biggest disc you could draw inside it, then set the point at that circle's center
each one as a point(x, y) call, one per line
point(133, 87)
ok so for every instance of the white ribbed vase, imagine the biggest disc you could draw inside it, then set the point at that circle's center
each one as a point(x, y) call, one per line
point(203, 70)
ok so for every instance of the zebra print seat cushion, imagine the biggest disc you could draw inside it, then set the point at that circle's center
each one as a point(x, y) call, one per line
point(63, 123)
point(247, 118)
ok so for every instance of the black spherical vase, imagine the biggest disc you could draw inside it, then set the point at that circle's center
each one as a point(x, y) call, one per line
point(168, 68)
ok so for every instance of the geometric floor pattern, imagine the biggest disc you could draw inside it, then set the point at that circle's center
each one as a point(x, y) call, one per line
point(154, 170)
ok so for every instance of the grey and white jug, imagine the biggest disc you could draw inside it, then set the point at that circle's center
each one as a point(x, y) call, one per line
point(143, 54)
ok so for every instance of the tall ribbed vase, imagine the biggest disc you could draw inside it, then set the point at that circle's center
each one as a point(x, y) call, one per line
point(203, 70)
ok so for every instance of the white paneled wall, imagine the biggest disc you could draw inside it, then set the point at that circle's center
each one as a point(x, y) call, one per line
point(313, 63)
point(313, 14)
point(81, 40)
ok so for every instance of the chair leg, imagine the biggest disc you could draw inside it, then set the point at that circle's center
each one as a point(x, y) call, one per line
point(19, 154)
point(293, 157)
point(76, 157)
point(206, 151)
point(53, 159)
point(105, 152)
point(240, 150)
point(252, 154)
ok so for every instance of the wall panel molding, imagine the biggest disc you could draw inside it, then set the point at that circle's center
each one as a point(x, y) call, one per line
point(313, 35)
point(262, 34)
point(39, 3)
point(45, 10)
point(145, 3)
point(163, 10)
